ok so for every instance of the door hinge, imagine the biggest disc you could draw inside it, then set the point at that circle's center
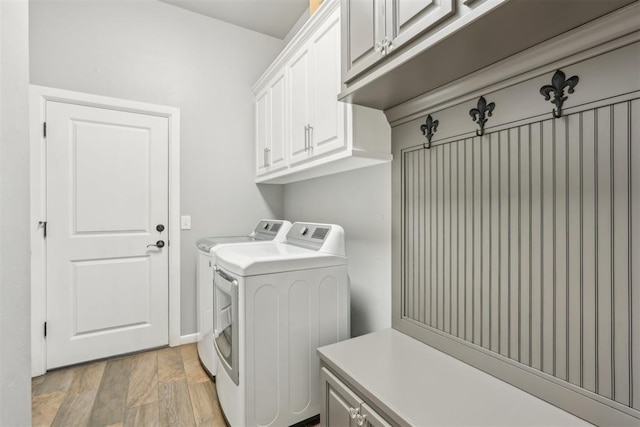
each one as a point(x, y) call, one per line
point(43, 224)
point(45, 329)
point(44, 129)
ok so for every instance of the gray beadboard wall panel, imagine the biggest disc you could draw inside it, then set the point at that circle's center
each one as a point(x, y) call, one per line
point(522, 245)
point(557, 262)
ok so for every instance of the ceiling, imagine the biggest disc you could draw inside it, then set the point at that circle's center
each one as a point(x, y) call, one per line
point(271, 17)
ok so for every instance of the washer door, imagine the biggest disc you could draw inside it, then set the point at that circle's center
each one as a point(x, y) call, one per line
point(226, 321)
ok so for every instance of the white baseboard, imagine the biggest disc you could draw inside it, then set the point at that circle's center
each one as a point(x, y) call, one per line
point(188, 339)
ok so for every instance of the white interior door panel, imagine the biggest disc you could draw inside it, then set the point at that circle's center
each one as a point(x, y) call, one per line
point(107, 190)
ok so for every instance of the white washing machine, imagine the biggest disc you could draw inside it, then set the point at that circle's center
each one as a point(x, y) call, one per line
point(275, 304)
point(266, 230)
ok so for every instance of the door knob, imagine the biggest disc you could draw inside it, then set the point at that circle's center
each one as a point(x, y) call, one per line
point(160, 228)
point(159, 244)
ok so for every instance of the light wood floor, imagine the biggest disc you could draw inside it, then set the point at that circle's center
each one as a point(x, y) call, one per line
point(165, 387)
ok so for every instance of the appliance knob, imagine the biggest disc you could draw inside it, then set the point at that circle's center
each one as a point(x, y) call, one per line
point(304, 231)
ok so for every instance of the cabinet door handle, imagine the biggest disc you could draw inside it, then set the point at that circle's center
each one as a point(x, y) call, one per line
point(386, 45)
point(353, 412)
point(360, 419)
point(306, 137)
point(264, 157)
point(379, 47)
point(310, 137)
point(267, 151)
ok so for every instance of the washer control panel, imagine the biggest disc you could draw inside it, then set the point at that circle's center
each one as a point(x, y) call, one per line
point(315, 236)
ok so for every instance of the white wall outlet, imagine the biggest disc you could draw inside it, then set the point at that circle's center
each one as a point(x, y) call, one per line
point(185, 222)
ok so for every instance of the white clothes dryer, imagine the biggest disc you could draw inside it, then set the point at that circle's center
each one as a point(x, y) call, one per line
point(265, 230)
point(275, 304)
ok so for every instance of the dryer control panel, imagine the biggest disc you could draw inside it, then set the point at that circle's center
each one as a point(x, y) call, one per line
point(325, 238)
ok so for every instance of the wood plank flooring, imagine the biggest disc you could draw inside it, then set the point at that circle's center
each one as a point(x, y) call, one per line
point(165, 387)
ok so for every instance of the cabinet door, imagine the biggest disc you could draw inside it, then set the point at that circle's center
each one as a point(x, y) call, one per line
point(371, 417)
point(337, 402)
point(363, 27)
point(410, 18)
point(276, 155)
point(327, 114)
point(262, 132)
point(299, 70)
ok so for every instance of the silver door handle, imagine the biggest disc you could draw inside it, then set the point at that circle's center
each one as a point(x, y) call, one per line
point(310, 137)
point(306, 137)
point(266, 157)
point(379, 47)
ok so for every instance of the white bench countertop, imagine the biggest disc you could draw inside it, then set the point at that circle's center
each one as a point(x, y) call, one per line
point(421, 386)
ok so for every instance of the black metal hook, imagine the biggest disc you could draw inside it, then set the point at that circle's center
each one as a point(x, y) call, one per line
point(481, 113)
point(559, 83)
point(428, 129)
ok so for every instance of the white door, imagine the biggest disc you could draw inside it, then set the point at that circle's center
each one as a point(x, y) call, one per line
point(327, 133)
point(107, 197)
point(300, 103)
point(262, 132)
point(277, 135)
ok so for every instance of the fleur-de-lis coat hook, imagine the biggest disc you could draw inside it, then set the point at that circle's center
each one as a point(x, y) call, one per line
point(481, 114)
point(559, 83)
point(428, 129)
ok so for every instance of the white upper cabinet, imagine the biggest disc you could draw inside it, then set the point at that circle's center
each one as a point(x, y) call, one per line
point(316, 135)
point(276, 155)
point(326, 132)
point(299, 71)
point(271, 126)
point(262, 127)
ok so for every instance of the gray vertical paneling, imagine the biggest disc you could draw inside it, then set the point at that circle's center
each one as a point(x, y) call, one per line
point(619, 252)
point(440, 167)
point(634, 222)
point(514, 250)
point(561, 231)
point(461, 243)
point(453, 239)
point(603, 252)
point(434, 238)
point(588, 261)
point(524, 242)
point(494, 242)
point(411, 242)
point(426, 232)
point(446, 238)
point(574, 234)
point(419, 303)
point(485, 237)
point(470, 218)
point(505, 256)
point(477, 240)
point(525, 232)
point(536, 246)
point(548, 207)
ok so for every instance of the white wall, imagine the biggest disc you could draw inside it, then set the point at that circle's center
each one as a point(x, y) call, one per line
point(15, 357)
point(153, 52)
point(359, 201)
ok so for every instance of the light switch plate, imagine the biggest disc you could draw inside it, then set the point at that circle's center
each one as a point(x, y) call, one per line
point(185, 222)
